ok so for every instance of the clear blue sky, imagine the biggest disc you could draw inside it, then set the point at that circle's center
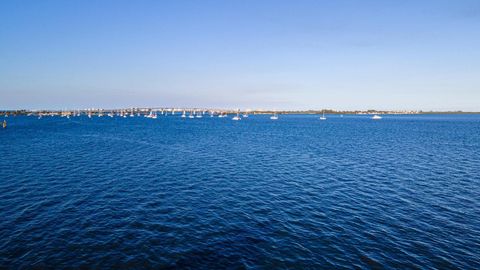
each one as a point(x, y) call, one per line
point(241, 54)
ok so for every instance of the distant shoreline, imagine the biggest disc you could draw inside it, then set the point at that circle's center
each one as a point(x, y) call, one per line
point(226, 111)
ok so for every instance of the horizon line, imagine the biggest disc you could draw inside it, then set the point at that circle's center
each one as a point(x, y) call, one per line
point(239, 109)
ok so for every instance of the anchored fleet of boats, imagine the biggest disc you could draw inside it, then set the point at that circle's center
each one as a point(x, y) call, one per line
point(153, 114)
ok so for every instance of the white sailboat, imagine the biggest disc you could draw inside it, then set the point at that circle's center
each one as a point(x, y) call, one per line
point(274, 116)
point(184, 115)
point(152, 115)
point(323, 116)
point(237, 117)
point(376, 117)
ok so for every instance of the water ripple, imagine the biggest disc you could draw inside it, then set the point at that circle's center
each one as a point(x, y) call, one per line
point(401, 193)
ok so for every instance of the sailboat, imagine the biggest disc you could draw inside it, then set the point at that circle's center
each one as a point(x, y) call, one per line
point(237, 117)
point(199, 115)
point(323, 116)
point(191, 114)
point(274, 116)
point(152, 115)
point(4, 124)
point(184, 115)
point(376, 117)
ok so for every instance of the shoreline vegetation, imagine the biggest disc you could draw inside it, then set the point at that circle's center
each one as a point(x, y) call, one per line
point(143, 111)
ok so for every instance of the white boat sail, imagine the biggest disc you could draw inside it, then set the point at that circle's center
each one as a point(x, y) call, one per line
point(237, 117)
point(323, 116)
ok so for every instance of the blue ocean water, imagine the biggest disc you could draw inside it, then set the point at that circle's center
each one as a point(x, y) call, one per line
point(211, 193)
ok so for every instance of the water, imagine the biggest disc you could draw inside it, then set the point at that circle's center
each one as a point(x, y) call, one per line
point(402, 192)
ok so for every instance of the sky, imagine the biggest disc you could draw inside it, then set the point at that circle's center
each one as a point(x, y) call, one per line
point(256, 54)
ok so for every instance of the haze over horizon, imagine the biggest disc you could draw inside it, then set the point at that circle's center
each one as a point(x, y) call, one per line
point(345, 55)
